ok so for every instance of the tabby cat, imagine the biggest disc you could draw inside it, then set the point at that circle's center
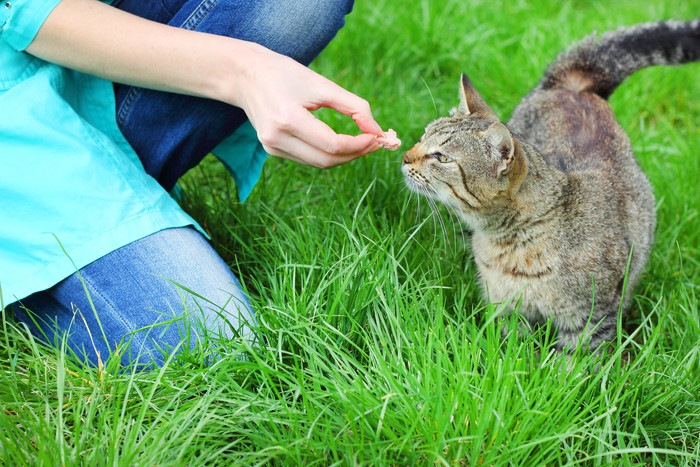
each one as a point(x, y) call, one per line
point(562, 216)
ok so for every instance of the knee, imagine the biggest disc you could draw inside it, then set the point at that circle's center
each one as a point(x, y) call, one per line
point(205, 332)
point(301, 29)
point(310, 14)
point(331, 13)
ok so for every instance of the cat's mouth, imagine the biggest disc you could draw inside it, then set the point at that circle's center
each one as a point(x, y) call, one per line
point(414, 179)
point(419, 184)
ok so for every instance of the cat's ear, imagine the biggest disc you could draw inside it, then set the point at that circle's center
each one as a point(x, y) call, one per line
point(471, 102)
point(501, 138)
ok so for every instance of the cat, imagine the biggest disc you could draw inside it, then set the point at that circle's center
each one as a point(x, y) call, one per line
point(562, 218)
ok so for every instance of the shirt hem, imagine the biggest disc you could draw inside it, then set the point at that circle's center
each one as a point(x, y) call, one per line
point(76, 257)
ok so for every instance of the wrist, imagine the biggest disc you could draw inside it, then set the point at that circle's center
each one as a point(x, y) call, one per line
point(237, 72)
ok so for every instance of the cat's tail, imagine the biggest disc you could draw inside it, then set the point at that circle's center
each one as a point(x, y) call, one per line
point(600, 63)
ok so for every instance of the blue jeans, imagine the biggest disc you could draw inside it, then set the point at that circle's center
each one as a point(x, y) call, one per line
point(172, 133)
point(168, 290)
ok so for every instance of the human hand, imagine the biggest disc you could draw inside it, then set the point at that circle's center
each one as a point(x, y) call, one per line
point(279, 94)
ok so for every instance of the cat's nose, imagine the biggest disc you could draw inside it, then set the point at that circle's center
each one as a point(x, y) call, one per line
point(410, 155)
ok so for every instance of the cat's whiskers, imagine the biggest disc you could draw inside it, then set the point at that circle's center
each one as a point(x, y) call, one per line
point(432, 196)
point(432, 98)
point(436, 212)
point(412, 193)
point(456, 222)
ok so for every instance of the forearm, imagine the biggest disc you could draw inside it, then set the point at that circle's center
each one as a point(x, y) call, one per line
point(277, 93)
point(95, 38)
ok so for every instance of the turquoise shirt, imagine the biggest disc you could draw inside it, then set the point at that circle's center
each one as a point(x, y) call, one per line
point(71, 187)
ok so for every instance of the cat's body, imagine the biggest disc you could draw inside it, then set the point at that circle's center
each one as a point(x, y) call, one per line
point(562, 216)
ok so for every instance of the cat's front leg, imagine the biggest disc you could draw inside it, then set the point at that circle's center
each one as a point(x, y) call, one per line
point(521, 321)
point(589, 333)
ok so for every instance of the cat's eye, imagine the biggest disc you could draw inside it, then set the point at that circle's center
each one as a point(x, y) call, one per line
point(439, 156)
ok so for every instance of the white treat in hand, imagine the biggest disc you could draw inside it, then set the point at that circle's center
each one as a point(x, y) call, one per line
point(388, 140)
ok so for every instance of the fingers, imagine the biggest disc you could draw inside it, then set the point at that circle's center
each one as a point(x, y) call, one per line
point(353, 106)
point(303, 138)
point(287, 128)
point(361, 113)
point(320, 135)
point(300, 151)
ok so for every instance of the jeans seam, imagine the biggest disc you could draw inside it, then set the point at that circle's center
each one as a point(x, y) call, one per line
point(132, 334)
point(190, 23)
point(164, 6)
point(199, 14)
point(125, 108)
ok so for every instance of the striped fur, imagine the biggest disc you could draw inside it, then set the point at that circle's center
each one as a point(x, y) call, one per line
point(600, 64)
point(562, 216)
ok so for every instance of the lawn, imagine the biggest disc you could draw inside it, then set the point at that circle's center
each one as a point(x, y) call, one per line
point(378, 348)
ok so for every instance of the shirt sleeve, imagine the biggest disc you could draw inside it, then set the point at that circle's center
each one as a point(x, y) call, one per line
point(20, 20)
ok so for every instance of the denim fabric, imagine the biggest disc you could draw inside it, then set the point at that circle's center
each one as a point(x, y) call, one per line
point(170, 288)
point(143, 300)
point(172, 133)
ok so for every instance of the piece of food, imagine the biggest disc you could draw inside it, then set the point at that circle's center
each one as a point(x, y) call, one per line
point(388, 140)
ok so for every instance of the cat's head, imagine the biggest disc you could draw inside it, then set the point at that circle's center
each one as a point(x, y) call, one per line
point(469, 160)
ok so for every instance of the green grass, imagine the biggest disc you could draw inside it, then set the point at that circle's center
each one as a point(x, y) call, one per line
point(379, 348)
